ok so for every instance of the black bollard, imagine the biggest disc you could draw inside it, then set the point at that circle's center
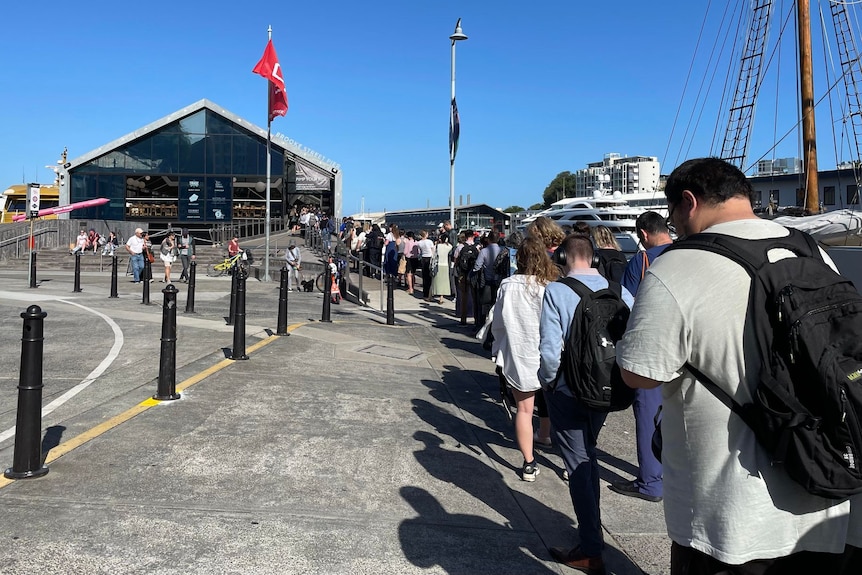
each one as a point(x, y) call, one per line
point(77, 286)
point(146, 275)
point(281, 328)
point(167, 388)
point(390, 300)
point(27, 459)
point(233, 277)
point(33, 270)
point(238, 351)
point(114, 277)
point(327, 293)
point(190, 297)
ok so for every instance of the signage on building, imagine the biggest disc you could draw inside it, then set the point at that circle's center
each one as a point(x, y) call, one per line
point(310, 180)
point(219, 199)
point(191, 199)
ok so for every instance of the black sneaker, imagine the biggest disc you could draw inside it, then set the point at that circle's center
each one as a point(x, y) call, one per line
point(529, 471)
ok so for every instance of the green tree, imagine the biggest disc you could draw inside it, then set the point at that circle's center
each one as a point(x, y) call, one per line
point(513, 209)
point(538, 206)
point(562, 186)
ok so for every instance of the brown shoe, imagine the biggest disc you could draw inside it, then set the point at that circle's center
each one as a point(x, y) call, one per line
point(575, 559)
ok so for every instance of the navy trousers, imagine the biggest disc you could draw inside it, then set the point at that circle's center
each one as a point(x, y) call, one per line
point(645, 406)
point(576, 430)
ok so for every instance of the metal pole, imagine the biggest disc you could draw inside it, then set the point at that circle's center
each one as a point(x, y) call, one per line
point(190, 297)
point(148, 273)
point(238, 351)
point(327, 294)
point(113, 277)
point(390, 300)
point(77, 283)
point(27, 458)
point(167, 387)
point(268, 170)
point(33, 269)
point(452, 142)
point(234, 274)
point(281, 328)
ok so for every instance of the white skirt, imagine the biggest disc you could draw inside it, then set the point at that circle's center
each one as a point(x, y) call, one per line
point(168, 259)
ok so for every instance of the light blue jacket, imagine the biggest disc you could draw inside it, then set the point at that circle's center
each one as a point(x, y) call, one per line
point(558, 310)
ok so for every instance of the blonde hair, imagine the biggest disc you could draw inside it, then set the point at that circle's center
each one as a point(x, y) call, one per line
point(533, 260)
point(546, 230)
point(604, 238)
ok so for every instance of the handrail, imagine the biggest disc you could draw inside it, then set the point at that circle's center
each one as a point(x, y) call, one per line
point(16, 239)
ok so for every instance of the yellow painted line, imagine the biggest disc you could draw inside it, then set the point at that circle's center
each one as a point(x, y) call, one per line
point(105, 426)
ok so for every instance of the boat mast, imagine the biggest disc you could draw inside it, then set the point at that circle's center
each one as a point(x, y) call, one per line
point(809, 139)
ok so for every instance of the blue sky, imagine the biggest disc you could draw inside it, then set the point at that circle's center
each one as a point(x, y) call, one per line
point(542, 87)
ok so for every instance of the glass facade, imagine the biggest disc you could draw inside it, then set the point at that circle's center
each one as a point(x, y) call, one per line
point(202, 168)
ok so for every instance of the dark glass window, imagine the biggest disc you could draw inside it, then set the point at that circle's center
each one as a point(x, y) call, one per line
point(757, 199)
point(218, 154)
point(194, 124)
point(245, 156)
point(800, 197)
point(217, 125)
point(829, 195)
point(139, 157)
point(852, 196)
point(192, 154)
point(166, 148)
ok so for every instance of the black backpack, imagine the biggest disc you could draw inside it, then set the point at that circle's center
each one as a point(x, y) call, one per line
point(502, 265)
point(612, 264)
point(807, 324)
point(589, 358)
point(467, 258)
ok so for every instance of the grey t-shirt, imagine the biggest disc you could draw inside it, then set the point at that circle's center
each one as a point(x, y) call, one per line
point(722, 496)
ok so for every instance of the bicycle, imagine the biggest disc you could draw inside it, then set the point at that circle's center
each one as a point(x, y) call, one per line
point(220, 268)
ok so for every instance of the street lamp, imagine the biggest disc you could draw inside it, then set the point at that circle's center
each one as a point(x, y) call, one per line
point(454, 125)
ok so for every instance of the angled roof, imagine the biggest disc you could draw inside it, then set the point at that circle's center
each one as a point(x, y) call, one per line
point(277, 141)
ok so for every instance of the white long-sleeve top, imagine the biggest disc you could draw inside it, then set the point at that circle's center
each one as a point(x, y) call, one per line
point(516, 330)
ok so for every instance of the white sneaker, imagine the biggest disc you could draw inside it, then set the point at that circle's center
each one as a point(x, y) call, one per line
point(529, 471)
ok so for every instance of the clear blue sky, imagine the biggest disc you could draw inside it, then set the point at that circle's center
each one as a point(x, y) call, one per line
point(542, 87)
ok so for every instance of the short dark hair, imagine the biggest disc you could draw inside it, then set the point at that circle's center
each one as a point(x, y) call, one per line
point(652, 223)
point(712, 180)
point(577, 246)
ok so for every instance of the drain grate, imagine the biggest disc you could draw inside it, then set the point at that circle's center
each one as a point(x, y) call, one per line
point(390, 352)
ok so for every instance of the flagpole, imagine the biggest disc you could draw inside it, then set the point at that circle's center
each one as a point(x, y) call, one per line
point(268, 167)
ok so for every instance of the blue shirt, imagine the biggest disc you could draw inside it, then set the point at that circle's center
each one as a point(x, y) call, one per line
point(636, 268)
point(558, 310)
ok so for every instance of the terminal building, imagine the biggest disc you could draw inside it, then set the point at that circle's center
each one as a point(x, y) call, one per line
point(478, 217)
point(200, 167)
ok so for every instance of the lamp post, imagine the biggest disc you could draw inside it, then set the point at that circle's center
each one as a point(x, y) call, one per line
point(456, 36)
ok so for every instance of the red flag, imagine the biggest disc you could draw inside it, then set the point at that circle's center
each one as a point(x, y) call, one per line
point(269, 68)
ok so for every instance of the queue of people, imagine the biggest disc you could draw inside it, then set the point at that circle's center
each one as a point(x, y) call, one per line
point(729, 508)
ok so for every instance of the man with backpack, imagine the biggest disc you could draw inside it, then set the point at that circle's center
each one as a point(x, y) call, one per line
point(484, 278)
point(716, 341)
point(466, 254)
point(653, 234)
point(576, 417)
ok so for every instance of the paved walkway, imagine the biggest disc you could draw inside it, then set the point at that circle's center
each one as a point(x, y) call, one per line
point(346, 447)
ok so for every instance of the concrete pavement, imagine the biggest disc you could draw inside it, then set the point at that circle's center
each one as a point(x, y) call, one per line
point(346, 447)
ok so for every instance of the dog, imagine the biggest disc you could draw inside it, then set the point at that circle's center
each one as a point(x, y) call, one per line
point(307, 285)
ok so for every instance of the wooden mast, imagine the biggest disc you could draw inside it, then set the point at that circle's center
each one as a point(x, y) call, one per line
point(809, 139)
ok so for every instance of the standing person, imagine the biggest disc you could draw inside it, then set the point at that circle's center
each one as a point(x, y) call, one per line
point(168, 253)
point(359, 244)
point(411, 257)
point(374, 249)
point(612, 261)
point(293, 257)
point(728, 509)
point(426, 252)
point(186, 243)
point(452, 237)
point(149, 257)
point(440, 282)
point(515, 327)
point(549, 230)
point(135, 246)
point(652, 232)
point(576, 427)
point(487, 291)
point(233, 246)
point(327, 226)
